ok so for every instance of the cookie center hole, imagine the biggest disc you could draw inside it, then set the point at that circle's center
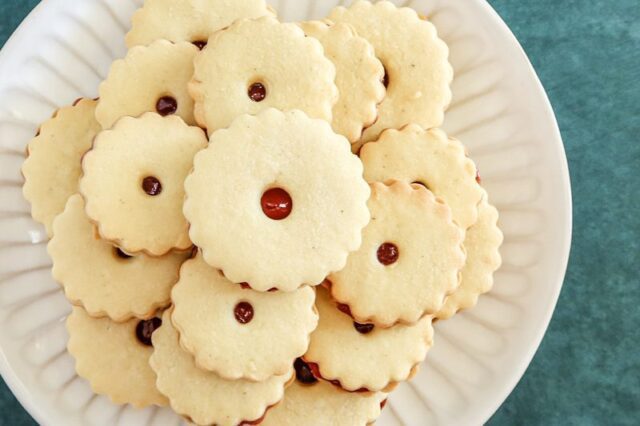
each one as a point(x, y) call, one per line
point(363, 328)
point(243, 312)
point(385, 78)
point(257, 92)
point(151, 186)
point(166, 105)
point(388, 253)
point(303, 372)
point(200, 44)
point(276, 203)
point(120, 254)
point(145, 329)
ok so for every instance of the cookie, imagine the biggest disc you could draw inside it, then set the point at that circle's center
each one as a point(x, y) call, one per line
point(189, 20)
point(418, 73)
point(204, 397)
point(313, 402)
point(150, 78)
point(114, 357)
point(430, 158)
point(53, 165)
point(259, 64)
point(133, 182)
point(288, 196)
point(362, 356)
point(409, 261)
point(359, 77)
point(231, 329)
point(102, 278)
point(482, 243)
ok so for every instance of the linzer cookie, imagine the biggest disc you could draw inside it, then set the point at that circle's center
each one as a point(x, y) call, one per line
point(363, 356)
point(114, 357)
point(259, 64)
point(418, 74)
point(204, 397)
point(236, 332)
point(53, 165)
point(150, 78)
point(359, 77)
point(482, 243)
point(409, 261)
point(133, 182)
point(102, 278)
point(432, 159)
point(313, 402)
point(283, 195)
point(189, 20)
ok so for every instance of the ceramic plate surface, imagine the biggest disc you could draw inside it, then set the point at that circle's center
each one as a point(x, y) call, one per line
point(500, 111)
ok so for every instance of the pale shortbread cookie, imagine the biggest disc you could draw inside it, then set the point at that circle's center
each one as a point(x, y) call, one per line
point(482, 243)
point(150, 78)
point(358, 77)
point(133, 182)
point(204, 397)
point(323, 404)
point(430, 158)
point(101, 278)
point(53, 166)
point(415, 59)
point(231, 329)
point(259, 64)
point(409, 261)
point(113, 358)
point(189, 20)
point(373, 358)
point(300, 173)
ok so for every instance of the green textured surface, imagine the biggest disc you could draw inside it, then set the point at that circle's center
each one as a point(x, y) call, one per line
point(587, 370)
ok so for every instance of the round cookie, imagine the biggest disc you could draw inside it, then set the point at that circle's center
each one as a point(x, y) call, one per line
point(231, 329)
point(293, 210)
point(359, 77)
point(409, 261)
point(313, 402)
point(204, 397)
point(418, 74)
point(430, 158)
point(101, 278)
point(361, 356)
point(133, 182)
point(114, 357)
point(259, 64)
point(482, 243)
point(54, 160)
point(150, 78)
point(189, 20)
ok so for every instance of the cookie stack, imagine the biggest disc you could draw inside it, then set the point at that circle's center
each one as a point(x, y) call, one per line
point(257, 221)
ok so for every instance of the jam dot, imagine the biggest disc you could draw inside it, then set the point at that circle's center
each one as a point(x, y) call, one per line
point(121, 254)
point(145, 329)
point(166, 105)
point(388, 253)
point(200, 44)
point(151, 185)
point(276, 203)
point(257, 92)
point(243, 312)
point(363, 328)
point(303, 372)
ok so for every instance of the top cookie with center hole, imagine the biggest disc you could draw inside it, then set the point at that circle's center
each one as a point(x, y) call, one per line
point(257, 64)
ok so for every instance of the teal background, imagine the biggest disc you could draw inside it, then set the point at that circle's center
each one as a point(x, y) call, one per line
point(587, 54)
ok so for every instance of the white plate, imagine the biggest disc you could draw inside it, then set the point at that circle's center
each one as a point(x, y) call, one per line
point(500, 111)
